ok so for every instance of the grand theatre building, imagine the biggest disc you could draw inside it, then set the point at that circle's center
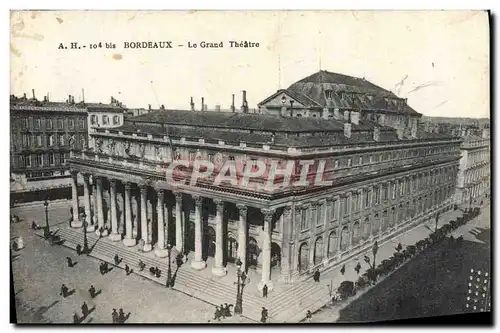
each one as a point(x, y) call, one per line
point(385, 176)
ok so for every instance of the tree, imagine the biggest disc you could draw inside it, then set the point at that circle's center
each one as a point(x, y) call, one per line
point(374, 251)
point(346, 289)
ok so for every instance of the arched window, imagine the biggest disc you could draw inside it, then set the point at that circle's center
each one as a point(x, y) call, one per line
point(332, 243)
point(318, 251)
point(105, 120)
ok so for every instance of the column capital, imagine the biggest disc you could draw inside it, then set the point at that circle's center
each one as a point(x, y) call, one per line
point(329, 200)
point(144, 189)
point(178, 196)
point(86, 176)
point(112, 183)
point(97, 179)
point(218, 203)
point(243, 209)
point(268, 214)
point(298, 208)
point(161, 193)
point(128, 186)
point(198, 200)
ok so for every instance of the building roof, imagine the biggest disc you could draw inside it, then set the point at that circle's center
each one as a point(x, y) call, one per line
point(346, 92)
point(96, 107)
point(46, 107)
point(248, 121)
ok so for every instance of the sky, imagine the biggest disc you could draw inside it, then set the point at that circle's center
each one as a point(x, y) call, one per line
point(439, 60)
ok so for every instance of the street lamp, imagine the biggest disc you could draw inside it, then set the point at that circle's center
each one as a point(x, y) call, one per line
point(85, 243)
point(47, 230)
point(169, 272)
point(241, 284)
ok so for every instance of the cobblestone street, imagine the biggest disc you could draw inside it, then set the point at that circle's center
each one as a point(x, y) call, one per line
point(39, 270)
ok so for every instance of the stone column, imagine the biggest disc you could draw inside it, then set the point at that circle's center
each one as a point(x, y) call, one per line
point(75, 223)
point(114, 236)
point(86, 200)
point(179, 225)
point(242, 236)
point(198, 262)
point(129, 240)
point(144, 219)
point(160, 250)
point(266, 251)
point(326, 233)
point(286, 248)
point(218, 268)
point(100, 212)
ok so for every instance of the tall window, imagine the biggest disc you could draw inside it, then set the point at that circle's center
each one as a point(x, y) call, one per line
point(26, 161)
point(37, 123)
point(93, 119)
point(116, 120)
point(62, 158)
point(71, 123)
point(320, 214)
point(105, 120)
point(394, 190)
point(38, 140)
point(368, 195)
point(349, 162)
point(26, 140)
point(304, 223)
point(336, 164)
point(360, 160)
point(355, 202)
point(376, 190)
point(385, 192)
point(81, 123)
point(82, 141)
point(26, 123)
point(61, 140)
point(51, 140)
point(39, 159)
point(60, 124)
point(401, 187)
point(48, 123)
point(51, 158)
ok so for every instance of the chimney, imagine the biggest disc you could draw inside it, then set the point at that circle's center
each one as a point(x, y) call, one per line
point(336, 114)
point(149, 107)
point(203, 104)
point(45, 99)
point(244, 107)
point(217, 108)
point(326, 113)
point(192, 104)
point(33, 91)
point(24, 95)
point(355, 117)
point(233, 109)
point(376, 133)
point(347, 130)
point(346, 115)
point(162, 107)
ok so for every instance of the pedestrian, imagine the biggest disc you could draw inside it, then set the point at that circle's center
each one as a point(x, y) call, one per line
point(85, 309)
point(78, 249)
point(308, 316)
point(141, 265)
point(127, 269)
point(117, 260)
point(222, 311)
point(114, 315)
point(316, 275)
point(34, 226)
point(70, 261)
point(92, 291)
point(263, 315)
point(76, 320)
point(264, 291)
point(342, 270)
point(105, 267)
point(101, 268)
point(121, 316)
point(217, 314)
point(64, 290)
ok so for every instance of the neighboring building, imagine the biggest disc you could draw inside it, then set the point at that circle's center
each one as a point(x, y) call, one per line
point(473, 180)
point(387, 176)
point(42, 135)
point(105, 115)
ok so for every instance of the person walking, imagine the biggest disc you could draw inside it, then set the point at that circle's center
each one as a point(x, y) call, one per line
point(85, 309)
point(308, 316)
point(316, 275)
point(76, 320)
point(264, 291)
point(69, 261)
point(117, 260)
point(114, 315)
point(92, 291)
point(127, 269)
point(263, 315)
point(78, 249)
point(64, 291)
point(142, 265)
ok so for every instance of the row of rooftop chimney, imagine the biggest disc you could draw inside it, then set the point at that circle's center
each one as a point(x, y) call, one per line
point(244, 106)
point(70, 100)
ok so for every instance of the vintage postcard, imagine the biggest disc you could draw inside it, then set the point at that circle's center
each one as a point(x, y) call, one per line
point(249, 166)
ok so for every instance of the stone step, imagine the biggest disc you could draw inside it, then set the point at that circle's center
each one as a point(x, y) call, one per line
point(187, 282)
point(297, 297)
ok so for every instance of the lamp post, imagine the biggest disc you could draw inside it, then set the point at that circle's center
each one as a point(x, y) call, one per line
point(85, 243)
point(241, 284)
point(47, 229)
point(169, 272)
